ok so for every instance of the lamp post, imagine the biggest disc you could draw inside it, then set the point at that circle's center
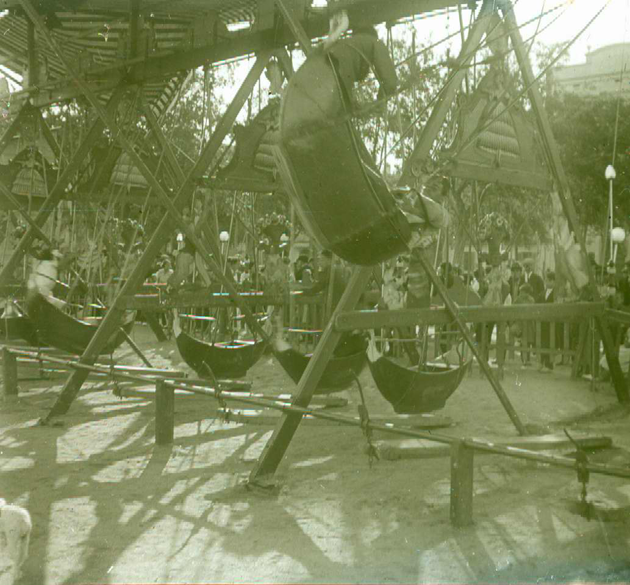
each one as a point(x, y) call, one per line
point(610, 177)
point(617, 236)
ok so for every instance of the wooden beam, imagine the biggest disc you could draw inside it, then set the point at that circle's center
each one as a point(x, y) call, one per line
point(206, 245)
point(134, 30)
point(164, 413)
point(462, 458)
point(204, 299)
point(112, 319)
point(296, 27)
point(453, 309)
point(414, 165)
point(142, 69)
point(32, 77)
point(9, 134)
point(560, 312)
point(58, 191)
point(564, 191)
point(9, 373)
point(277, 445)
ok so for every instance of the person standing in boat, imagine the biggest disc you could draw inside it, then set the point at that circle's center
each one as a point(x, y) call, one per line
point(355, 55)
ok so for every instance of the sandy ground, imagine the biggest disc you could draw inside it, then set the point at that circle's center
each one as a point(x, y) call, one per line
point(108, 506)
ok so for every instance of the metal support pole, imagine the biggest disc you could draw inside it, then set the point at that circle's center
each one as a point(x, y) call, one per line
point(164, 413)
point(610, 219)
point(462, 457)
point(9, 373)
point(279, 442)
point(112, 319)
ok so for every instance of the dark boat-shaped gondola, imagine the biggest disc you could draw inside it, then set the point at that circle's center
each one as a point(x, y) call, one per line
point(341, 370)
point(17, 327)
point(415, 390)
point(339, 194)
point(225, 360)
point(57, 329)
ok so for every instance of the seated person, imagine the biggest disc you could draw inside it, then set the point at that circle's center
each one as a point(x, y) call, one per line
point(353, 57)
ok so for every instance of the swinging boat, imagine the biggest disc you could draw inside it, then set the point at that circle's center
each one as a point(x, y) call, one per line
point(416, 390)
point(341, 370)
point(16, 327)
point(339, 195)
point(225, 360)
point(57, 329)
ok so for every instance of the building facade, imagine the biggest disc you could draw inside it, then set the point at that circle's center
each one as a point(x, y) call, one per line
point(606, 70)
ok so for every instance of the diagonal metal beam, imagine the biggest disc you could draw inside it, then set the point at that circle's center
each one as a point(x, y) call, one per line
point(58, 191)
point(112, 319)
point(564, 191)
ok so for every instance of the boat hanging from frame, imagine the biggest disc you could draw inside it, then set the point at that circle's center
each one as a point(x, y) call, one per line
point(62, 331)
point(415, 390)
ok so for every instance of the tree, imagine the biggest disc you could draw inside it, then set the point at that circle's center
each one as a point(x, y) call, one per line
point(585, 129)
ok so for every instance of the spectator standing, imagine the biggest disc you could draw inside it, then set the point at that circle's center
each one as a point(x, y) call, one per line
point(534, 280)
point(526, 330)
point(516, 280)
point(545, 328)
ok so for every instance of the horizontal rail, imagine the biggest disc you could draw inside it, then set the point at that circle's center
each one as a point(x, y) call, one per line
point(617, 316)
point(471, 314)
point(477, 444)
point(204, 299)
point(125, 373)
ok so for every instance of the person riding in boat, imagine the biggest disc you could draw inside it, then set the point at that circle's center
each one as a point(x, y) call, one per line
point(44, 277)
point(353, 56)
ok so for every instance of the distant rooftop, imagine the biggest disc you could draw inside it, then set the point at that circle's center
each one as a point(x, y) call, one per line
point(601, 74)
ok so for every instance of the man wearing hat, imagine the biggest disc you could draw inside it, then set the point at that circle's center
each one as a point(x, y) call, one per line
point(534, 280)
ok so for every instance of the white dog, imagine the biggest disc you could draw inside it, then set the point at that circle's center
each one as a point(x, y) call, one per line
point(15, 532)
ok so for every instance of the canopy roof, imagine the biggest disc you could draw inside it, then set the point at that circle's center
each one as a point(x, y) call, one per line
point(158, 40)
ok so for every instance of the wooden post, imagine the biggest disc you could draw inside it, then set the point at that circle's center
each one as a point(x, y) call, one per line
point(500, 350)
point(164, 413)
point(287, 426)
point(461, 484)
point(10, 373)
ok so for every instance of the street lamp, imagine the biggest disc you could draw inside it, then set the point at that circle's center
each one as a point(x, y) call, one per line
point(617, 236)
point(610, 177)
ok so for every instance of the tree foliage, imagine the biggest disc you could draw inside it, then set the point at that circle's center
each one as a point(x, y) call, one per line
point(585, 129)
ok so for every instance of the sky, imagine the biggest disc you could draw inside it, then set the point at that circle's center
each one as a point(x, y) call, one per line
point(611, 26)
